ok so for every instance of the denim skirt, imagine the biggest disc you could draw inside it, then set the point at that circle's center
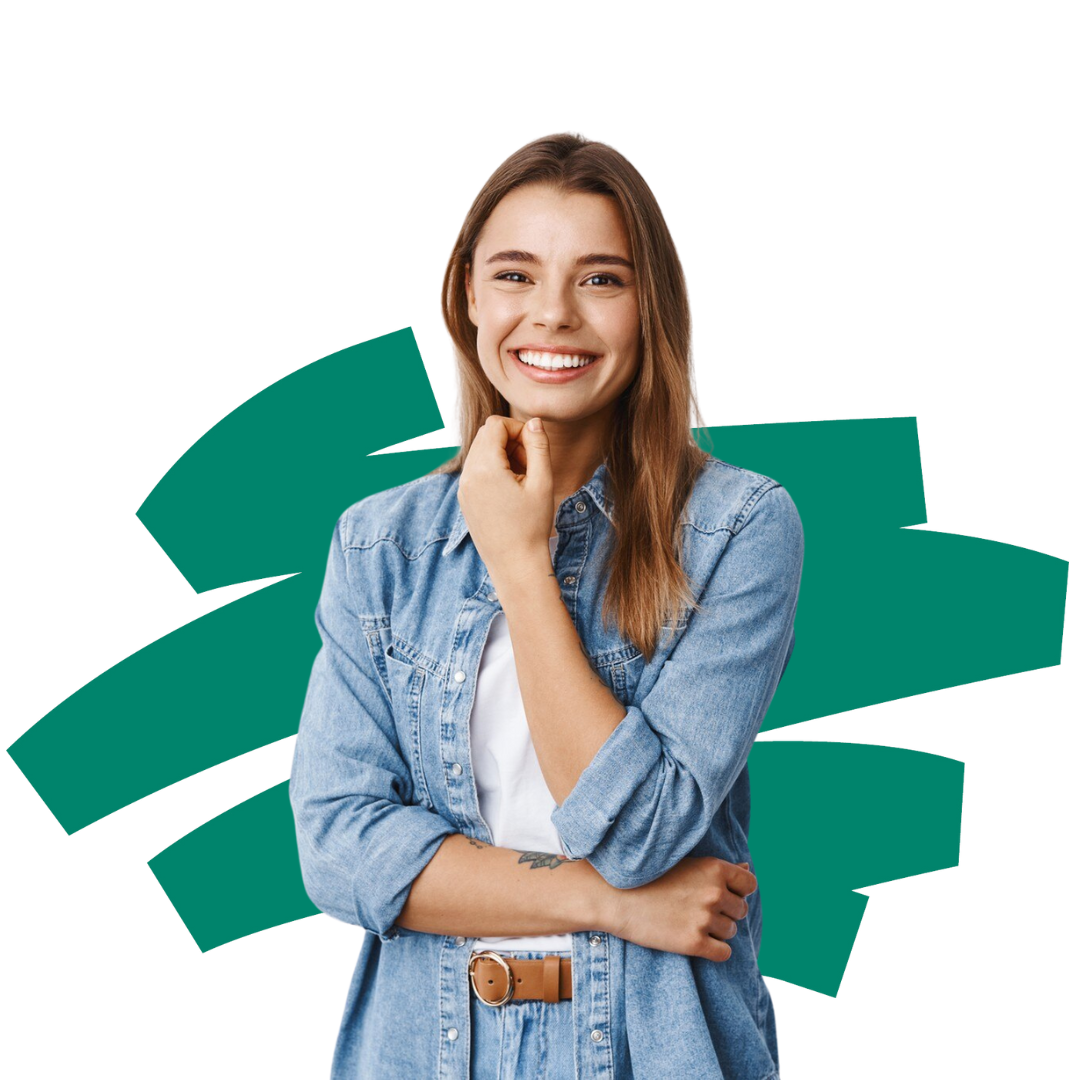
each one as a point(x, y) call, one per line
point(522, 1038)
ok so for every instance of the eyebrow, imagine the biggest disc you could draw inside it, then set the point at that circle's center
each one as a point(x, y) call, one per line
point(585, 260)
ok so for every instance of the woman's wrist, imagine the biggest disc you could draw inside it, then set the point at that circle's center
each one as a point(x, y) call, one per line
point(529, 577)
point(597, 904)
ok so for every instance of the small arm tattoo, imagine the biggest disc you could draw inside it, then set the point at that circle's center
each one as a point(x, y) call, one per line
point(477, 843)
point(541, 858)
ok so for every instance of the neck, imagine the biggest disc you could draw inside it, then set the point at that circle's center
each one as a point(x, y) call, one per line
point(575, 456)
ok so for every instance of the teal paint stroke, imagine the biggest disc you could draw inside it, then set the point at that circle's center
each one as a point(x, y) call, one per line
point(884, 613)
point(829, 818)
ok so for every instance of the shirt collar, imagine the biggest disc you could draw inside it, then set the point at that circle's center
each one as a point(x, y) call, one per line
point(596, 488)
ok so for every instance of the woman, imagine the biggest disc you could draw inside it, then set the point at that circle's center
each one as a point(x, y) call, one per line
point(521, 763)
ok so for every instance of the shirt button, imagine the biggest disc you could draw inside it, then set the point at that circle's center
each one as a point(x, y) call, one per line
point(596, 939)
point(455, 769)
point(452, 1034)
point(459, 676)
point(580, 508)
point(569, 579)
point(459, 941)
point(596, 1036)
point(492, 597)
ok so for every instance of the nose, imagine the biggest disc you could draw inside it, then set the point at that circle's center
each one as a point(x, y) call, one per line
point(555, 308)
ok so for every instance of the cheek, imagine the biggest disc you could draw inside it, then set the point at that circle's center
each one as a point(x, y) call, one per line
point(628, 335)
point(496, 315)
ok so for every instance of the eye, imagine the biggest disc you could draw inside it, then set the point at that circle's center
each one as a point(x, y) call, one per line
point(607, 279)
point(506, 275)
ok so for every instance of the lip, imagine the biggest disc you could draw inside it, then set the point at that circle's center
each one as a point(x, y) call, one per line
point(562, 350)
point(563, 375)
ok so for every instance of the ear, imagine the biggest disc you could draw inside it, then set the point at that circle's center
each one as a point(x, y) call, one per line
point(473, 314)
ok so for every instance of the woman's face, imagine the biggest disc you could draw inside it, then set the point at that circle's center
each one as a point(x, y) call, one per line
point(552, 279)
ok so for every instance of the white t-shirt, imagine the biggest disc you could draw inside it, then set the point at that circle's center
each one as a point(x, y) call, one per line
point(514, 797)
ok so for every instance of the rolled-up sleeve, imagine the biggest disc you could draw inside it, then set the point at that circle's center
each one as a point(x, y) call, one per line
point(361, 846)
point(655, 785)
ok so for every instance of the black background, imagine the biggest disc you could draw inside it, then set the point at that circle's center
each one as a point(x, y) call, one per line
point(250, 277)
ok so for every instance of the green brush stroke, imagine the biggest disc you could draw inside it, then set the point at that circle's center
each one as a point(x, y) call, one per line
point(828, 818)
point(884, 614)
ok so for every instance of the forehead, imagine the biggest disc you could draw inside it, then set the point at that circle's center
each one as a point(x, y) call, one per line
point(549, 222)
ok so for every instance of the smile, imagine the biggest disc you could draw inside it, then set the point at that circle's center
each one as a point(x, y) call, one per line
point(553, 361)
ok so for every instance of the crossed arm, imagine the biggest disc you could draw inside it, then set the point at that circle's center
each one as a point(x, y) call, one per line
point(477, 890)
point(636, 788)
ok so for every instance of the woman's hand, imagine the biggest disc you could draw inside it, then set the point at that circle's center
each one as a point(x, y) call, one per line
point(506, 494)
point(692, 909)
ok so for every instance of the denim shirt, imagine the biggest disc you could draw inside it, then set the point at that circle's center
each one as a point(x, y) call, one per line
point(382, 771)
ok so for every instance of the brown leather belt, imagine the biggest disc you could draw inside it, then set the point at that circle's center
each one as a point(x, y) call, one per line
point(496, 979)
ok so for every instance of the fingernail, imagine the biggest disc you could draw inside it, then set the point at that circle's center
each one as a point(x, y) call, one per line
point(534, 424)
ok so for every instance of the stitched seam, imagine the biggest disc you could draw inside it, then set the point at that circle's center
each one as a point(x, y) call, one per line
point(621, 654)
point(743, 514)
point(414, 657)
point(366, 546)
point(750, 503)
point(374, 641)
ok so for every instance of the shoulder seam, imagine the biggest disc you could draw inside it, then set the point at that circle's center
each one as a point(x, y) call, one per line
point(397, 489)
point(762, 485)
point(368, 545)
point(755, 497)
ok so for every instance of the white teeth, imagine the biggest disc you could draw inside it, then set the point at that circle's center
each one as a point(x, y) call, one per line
point(552, 361)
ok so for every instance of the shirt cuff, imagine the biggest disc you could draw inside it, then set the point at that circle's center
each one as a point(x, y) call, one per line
point(393, 862)
point(620, 766)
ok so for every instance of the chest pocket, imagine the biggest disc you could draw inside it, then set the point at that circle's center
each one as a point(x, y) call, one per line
point(621, 670)
point(622, 667)
point(410, 678)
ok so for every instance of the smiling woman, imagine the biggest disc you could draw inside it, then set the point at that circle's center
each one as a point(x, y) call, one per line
point(548, 312)
point(521, 764)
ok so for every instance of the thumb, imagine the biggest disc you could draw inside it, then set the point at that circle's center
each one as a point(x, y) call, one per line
point(537, 449)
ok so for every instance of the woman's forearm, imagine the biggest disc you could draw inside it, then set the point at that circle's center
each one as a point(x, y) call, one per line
point(476, 890)
point(567, 728)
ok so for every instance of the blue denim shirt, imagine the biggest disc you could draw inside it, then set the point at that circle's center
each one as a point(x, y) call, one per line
point(382, 771)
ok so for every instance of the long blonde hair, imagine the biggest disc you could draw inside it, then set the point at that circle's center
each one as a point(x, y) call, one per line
point(652, 458)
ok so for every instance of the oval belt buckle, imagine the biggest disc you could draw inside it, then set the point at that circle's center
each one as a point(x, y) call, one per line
point(505, 966)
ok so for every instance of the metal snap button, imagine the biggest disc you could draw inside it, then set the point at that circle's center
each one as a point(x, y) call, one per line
point(459, 941)
point(455, 769)
point(452, 1034)
point(492, 597)
point(596, 939)
point(579, 507)
point(459, 676)
point(596, 1036)
point(569, 579)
